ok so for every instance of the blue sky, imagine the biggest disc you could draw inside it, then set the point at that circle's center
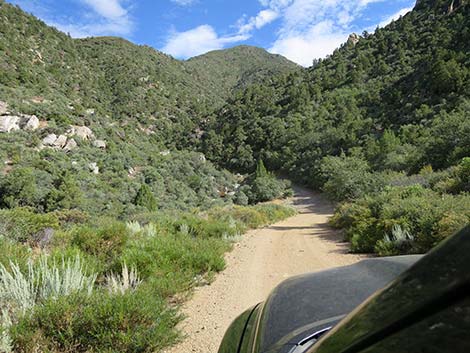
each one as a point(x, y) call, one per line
point(301, 30)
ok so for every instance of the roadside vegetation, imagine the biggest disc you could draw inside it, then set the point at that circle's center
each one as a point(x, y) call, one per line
point(391, 213)
point(71, 282)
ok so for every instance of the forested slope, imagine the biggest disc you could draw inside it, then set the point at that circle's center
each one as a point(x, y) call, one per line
point(373, 121)
point(134, 103)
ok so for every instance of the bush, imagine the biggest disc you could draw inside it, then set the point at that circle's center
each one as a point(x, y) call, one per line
point(424, 213)
point(105, 243)
point(400, 242)
point(171, 261)
point(347, 178)
point(136, 321)
point(145, 198)
point(266, 188)
point(262, 186)
point(22, 224)
point(22, 290)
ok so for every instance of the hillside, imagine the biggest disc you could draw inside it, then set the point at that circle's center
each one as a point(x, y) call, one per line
point(132, 104)
point(381, 125)
point(45, 72)
point(409, 79)
point(238, 67)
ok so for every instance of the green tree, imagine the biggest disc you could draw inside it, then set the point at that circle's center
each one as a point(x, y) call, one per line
point(145, 198)
point(261, 170)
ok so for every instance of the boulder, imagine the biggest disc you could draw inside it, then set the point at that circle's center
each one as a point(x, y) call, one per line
point(94, 168)
point(202, 158)
point(32, 123)
point(60, 142)
point(83, 132)
point(99, 144)
point(165, 153)
point(71, 145)
point(353, 39)
point(3, 108)
point(49, 139)
point(44, 237)
point(9, 123)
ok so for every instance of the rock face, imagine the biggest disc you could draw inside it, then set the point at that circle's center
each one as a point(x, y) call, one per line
point(9, 123)
point(60, 142)
point(83, 132)
point(49, 140)
point(3, 108)
point(32, 123)
point(71, 145)
point(353, 39)
point(44, 237)
point(94, 168)
point(99, 144)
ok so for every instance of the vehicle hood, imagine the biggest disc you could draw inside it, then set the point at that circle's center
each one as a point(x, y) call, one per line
point(306, 304)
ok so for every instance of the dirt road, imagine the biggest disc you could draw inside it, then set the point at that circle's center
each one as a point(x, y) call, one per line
point(258, 263)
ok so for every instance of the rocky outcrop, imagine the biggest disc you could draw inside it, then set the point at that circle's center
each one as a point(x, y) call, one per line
point(71, 145)
point(94, 168)
point(9, 123)
point(60, 142)
point(84, 132)
point(49, 140)
point(353, 39)
point(31, 123)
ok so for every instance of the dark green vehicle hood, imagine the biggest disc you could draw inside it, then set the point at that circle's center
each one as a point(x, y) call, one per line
point(306, 304)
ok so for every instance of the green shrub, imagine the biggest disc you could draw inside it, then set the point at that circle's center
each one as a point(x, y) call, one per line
point(22, 290)
point(171, 261)
point(400, 242)
point(262, 186)
point(145, 198)
point(275, 213)
point(105, 243)
point(429, 216)
point(266, 188)
point(347, 178)
point(22, 224)
point(12, 252)
point(136, 321)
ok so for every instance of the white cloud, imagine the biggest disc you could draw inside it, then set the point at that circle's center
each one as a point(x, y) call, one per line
point(111, 9)
point(183, 2)
point(108, 17)
point(395, 16)
point(197, 41)
point(313, 28)
point(263, 18)
point(317, 42)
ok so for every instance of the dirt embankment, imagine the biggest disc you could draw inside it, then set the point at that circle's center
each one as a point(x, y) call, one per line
point(259, 262)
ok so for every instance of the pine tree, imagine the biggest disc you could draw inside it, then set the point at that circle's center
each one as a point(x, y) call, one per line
point(145, 198)
point(261, 170)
